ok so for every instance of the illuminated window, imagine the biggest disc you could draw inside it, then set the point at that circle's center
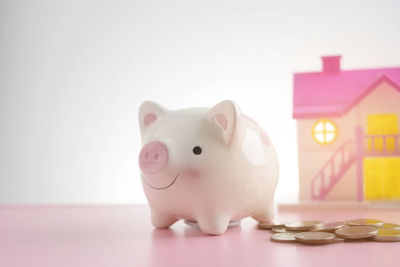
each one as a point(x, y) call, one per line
point(324, 131)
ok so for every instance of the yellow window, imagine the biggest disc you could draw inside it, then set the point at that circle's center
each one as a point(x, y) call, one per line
point(382, 124)
point(324, 131)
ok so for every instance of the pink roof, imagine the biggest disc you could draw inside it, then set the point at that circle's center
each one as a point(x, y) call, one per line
point(333, 92)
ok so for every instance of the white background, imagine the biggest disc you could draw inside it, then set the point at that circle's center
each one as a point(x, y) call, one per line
point(73, 74)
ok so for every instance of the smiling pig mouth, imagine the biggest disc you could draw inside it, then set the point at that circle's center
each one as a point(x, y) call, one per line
point(161, 188)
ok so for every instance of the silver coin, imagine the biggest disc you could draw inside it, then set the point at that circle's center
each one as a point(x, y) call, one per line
point(329, 227)
point(284, 237)
point(303, 225)
point(283, 230)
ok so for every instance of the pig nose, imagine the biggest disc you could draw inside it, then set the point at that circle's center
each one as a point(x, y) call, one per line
point(153, 157)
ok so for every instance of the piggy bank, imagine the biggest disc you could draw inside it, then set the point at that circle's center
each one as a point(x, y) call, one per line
point(208, 165)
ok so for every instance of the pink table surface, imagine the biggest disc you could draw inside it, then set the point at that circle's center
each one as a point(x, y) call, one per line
point(123, 236)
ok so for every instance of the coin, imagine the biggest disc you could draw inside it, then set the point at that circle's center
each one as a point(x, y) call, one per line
point(371, 222)
point(282, 230)
point(279, 230)
point(391, 226)
point(284, 237)
point(303, 225)
point(329, 227)
point(269, 225)
point(387, 234)
point(315, 237)
point(357, 232)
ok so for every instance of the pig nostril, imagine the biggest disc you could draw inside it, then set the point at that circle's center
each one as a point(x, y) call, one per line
point(153, 157)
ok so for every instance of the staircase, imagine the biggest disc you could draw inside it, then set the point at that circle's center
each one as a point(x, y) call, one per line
point(333, 170)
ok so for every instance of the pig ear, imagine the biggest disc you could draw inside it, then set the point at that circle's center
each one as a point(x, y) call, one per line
point(224, 115)
point(149, 112)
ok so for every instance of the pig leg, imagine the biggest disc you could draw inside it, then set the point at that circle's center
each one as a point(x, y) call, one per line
point(214, 225)
point(161, 220)
point(265, 212)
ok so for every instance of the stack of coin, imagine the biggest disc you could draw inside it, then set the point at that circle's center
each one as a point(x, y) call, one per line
point(318, 232)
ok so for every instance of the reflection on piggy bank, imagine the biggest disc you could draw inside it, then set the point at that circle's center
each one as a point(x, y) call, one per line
point(212, 166)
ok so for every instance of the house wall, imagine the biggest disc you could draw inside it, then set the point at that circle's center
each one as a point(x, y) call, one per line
point(384, 99)
point(312, 156)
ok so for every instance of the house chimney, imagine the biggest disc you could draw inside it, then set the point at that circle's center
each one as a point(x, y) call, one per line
point(331, 64)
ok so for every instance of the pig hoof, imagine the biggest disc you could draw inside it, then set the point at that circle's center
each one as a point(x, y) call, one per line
point(217, 226)
point(162, 221)
point(264, 216)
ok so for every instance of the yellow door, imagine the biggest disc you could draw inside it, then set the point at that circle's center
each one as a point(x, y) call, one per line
point(382, 174)
point(373, 181)
point(382, 124)
point(382, 178)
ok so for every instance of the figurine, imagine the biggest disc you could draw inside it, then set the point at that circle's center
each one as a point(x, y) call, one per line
point(213, 166)
point(348, 133)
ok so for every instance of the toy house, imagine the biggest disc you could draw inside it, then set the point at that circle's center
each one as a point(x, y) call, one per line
point(348, 132)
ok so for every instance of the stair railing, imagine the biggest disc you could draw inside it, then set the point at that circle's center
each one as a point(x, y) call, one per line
point(332, 170)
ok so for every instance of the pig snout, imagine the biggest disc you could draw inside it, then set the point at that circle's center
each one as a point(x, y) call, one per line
point(153, 157)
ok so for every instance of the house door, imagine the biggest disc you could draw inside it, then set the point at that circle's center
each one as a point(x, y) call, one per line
point(381, 173)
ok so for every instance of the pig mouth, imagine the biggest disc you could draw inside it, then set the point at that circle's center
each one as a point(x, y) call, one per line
point(163, 187)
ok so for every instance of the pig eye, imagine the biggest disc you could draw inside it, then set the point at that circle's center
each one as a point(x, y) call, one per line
point(197, 150)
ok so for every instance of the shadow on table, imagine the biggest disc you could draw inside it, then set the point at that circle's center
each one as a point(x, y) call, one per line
point(186, 245)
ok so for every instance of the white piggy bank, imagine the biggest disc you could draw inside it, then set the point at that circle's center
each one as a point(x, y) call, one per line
point(212, 166)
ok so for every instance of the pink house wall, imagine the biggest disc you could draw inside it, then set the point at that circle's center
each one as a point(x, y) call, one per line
point(312, 156)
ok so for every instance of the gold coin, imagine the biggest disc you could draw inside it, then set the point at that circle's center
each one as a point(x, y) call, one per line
point(329, 227)
point(284, 237)
point(315, 237)
point(269, 225)
point(370, 222)
point(391, 226)
point(303, 225)
point(387, 234)
point(357, 232)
